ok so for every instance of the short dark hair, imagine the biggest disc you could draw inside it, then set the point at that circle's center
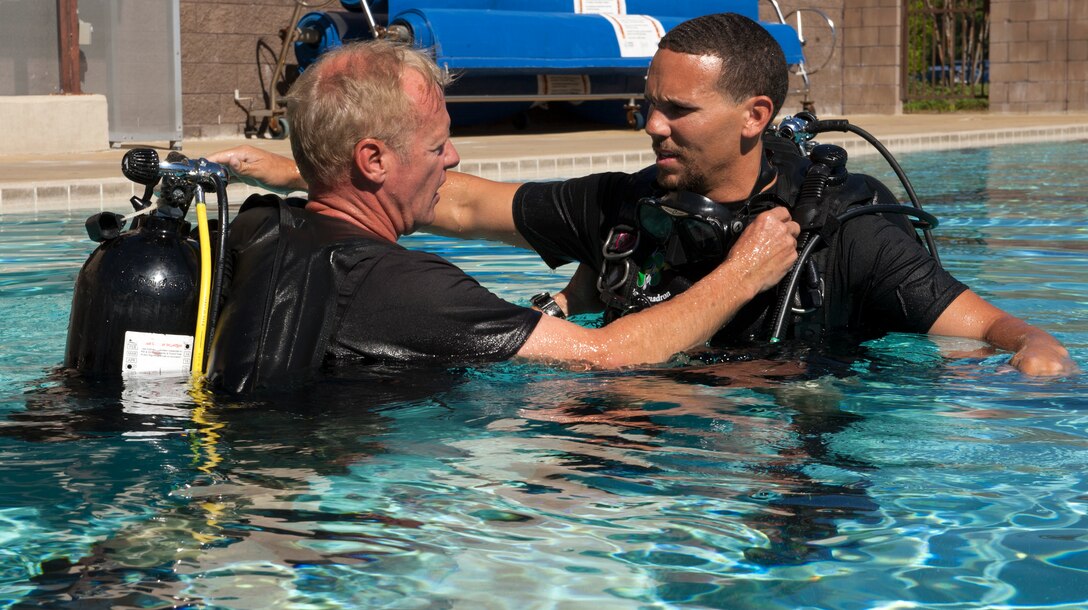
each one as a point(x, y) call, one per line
point(752, 61)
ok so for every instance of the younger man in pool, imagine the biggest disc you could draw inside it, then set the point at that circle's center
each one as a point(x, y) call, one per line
point(715, 84)
point(370, 134)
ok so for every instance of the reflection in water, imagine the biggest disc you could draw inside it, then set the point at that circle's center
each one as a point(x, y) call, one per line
point(237, 474)
point(644, 468)
point(513, 483)
point(770, 447)
point(884, 476)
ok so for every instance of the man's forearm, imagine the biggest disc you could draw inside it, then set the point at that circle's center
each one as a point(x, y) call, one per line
point(261, 168)
point(762, 256)
point(686, 321)
point(476, 208)
point(1036, 352)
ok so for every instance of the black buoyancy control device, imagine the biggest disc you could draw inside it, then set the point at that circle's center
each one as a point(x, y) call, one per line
point(136, 298)
point(802, 289)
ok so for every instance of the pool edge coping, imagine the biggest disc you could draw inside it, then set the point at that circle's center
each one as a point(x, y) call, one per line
point(82, 194)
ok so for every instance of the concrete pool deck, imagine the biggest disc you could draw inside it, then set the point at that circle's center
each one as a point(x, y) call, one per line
point(92, 181)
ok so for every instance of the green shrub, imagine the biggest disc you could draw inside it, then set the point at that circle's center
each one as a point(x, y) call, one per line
point(970, 104)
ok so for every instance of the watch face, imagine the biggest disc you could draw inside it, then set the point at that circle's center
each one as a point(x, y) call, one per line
point(547, 304)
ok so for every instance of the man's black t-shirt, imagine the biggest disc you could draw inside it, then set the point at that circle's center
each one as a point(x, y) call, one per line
point(879, 278)
point(305, 290)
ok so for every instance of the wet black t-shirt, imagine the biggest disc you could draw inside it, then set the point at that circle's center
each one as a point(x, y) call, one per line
point(879, 277)
point(306, 290)
point(410, 306)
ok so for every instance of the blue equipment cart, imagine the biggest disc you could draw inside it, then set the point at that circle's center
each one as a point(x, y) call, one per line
point(511, 54)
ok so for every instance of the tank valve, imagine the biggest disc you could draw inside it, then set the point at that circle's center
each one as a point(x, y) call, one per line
point(104, 226)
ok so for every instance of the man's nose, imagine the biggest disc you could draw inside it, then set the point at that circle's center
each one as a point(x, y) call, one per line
point(452, 158)
point(656, 125)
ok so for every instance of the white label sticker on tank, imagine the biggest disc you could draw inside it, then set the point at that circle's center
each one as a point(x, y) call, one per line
point(562, 84)
point(156, 353)
point(637, 35)
point(597, 7)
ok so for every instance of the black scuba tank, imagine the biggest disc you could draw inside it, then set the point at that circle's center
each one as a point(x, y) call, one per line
point(145, 280)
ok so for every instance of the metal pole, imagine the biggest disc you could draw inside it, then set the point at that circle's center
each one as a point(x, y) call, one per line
point(68, 46)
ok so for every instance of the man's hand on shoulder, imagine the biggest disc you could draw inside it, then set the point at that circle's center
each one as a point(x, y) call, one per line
point(261, 168)
point(765, 251)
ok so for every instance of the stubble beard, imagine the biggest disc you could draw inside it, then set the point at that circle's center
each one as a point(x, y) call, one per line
point(684, 180)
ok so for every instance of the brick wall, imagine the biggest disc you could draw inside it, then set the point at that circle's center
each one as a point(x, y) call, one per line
point(863, 74)
point(825, 84)
point(1038, 55)
point(871, 57)
point(219, 42)
point(1038, 63)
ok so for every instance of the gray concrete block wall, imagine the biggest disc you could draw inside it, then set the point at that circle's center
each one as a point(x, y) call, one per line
point(863, 76)
point(1038, 56)
point(826, 84)
point(1038, 62)
point(219, 41)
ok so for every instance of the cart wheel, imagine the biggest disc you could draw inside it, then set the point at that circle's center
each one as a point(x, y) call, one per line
point(284, 129)
point(635, 120)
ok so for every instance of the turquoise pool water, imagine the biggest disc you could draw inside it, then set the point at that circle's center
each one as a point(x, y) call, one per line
point(927, 474)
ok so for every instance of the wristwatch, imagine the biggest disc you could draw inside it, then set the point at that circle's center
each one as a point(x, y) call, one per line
point(545, 303)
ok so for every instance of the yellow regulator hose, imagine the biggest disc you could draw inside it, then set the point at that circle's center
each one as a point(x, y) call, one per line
point(197, 367)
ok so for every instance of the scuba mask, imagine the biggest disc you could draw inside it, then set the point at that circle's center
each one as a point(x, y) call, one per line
point(695, 229)
point(692, 228)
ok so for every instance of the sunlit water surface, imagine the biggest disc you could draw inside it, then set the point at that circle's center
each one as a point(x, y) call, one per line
point(925, 474)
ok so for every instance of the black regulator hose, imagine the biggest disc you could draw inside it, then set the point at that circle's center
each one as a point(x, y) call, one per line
point(828, 168)
point(821, 126)
point(220, 260)
point(925, 221)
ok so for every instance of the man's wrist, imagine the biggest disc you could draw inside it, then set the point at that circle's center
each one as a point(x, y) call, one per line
point(742, 286)
point(297, 183)
point(547, 305)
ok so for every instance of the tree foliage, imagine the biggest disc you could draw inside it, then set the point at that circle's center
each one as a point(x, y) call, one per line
point(948, 45)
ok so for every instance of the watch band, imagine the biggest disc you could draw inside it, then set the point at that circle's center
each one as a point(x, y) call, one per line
point(546, 304)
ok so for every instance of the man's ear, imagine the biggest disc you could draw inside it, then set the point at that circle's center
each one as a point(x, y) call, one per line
point(760, 110)
point(372, 159)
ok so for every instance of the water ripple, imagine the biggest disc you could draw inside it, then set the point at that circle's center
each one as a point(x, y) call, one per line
point(925, 473)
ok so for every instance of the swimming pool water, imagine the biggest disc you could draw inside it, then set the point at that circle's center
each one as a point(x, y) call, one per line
point(926, 474)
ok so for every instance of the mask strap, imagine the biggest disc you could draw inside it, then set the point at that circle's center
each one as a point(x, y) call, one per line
point(767, 175)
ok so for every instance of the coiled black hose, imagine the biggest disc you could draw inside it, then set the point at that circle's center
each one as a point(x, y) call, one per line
point(821, 126)
point(925, 221)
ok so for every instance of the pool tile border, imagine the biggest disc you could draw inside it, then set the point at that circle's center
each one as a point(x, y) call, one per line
point(86, 195)
point(559, 166)
point(113, 193)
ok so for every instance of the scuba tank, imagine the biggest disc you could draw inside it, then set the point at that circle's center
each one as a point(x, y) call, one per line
point(140, 297)
point(142, 281)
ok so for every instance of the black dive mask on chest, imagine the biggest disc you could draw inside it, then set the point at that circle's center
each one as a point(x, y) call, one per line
point(691, 227)
point(694, 229)
point(688, 228)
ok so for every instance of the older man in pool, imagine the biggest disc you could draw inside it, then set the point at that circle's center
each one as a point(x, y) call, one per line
point(326, 280)
point(714, 86)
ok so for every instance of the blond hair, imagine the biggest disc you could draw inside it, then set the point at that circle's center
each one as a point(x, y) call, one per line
point(352, 93)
